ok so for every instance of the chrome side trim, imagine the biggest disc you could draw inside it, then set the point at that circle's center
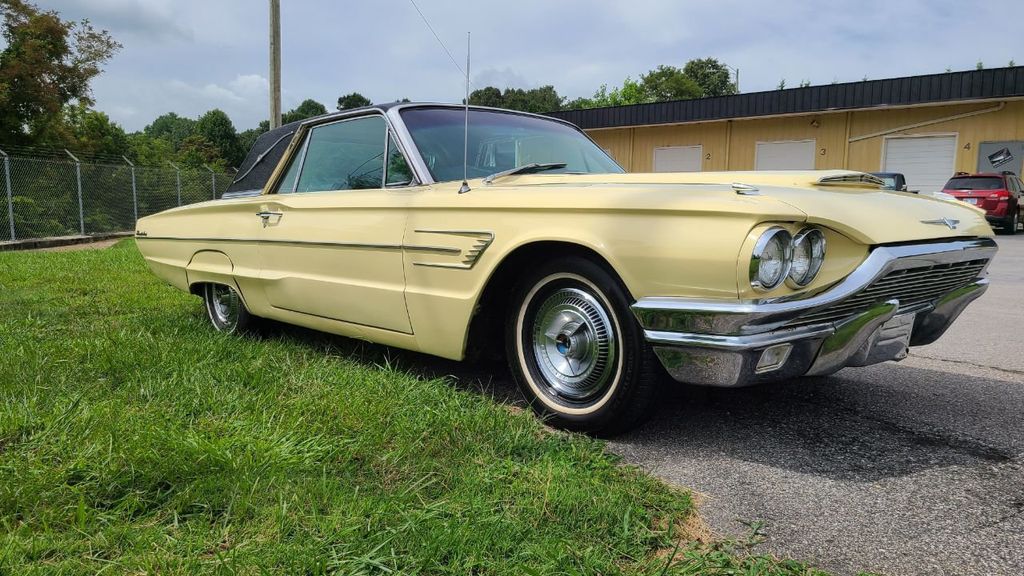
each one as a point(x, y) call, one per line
point(739, 317)
point(357, 245)
point(482, 239)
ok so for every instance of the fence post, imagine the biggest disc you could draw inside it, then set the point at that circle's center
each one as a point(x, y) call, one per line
point(10, 193)
point(78, 177)
point(177, 175)
point(213, 181)
point(135, 198)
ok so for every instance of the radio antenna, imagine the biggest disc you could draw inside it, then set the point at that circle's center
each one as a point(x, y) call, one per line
point(465, 135)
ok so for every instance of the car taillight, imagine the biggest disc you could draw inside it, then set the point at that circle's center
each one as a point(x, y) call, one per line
point(999, 194)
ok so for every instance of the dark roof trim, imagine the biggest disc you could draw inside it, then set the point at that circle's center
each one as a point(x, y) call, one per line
point(907, 91)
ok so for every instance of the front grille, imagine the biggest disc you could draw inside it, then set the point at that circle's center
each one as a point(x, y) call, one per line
point(911, 286)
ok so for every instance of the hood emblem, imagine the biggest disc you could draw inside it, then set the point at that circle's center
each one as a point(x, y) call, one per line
point(951, 223)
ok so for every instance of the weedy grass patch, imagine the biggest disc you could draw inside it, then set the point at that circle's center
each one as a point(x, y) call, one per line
point(136, 439)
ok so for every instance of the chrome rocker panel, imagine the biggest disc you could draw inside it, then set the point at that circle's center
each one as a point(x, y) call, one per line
point(719, 343)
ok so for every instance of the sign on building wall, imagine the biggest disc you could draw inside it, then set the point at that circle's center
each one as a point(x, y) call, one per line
point(1001, 156)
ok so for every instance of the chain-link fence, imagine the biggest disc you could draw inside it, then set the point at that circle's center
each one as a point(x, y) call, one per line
point(47, 197)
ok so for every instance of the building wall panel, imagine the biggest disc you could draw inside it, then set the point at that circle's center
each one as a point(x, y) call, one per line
point(634, 148)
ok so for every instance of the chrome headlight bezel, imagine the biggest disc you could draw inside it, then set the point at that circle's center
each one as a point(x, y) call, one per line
point(816, 251)
point(785, 239)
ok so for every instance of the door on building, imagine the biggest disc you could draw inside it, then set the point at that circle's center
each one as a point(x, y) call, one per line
point(1000, 156)
point(791, 155)
point(678, 159)
point(927, 161)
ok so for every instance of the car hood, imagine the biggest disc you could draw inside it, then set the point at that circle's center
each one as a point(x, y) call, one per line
point(858, 210)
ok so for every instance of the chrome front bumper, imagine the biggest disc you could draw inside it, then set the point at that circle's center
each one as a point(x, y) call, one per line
point(718, 343)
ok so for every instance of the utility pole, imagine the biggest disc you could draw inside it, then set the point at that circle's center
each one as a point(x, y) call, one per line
point(275, 64)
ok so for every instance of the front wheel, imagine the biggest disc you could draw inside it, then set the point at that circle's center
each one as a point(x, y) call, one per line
point(226, 310)
point(576, 351)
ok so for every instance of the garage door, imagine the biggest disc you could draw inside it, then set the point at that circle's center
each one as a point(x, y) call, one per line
point(678, 159)
point(792, 155)
point(926, 161)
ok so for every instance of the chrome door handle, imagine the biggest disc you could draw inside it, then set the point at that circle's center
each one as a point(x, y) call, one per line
point(265, 214)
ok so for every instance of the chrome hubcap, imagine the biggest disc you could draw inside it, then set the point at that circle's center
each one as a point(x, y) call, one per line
point(224, 306)
point(574, 344)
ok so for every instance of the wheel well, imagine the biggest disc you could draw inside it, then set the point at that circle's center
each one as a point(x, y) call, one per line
point(196, 288)
point(486, 329)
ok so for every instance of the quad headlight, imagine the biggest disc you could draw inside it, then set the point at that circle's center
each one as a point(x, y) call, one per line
point(779, 256)
point(808, 255)
point(772, 258)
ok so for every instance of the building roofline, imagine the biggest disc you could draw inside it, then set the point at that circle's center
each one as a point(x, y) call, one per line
point(944, 88)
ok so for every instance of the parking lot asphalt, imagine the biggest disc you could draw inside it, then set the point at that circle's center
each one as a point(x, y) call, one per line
point(914, 467)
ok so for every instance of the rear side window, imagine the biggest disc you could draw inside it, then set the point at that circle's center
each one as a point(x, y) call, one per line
point(975, 183)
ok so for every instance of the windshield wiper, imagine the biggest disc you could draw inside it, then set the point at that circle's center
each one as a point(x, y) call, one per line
point(525, 169)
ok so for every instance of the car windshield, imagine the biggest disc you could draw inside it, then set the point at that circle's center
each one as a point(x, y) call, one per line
point(500, 141)
point(975, 183)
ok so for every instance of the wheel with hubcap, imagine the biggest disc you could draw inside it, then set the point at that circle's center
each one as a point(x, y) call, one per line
point(575, 349)
point(225, 308)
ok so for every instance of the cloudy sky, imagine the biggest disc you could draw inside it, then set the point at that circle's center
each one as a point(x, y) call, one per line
point(188, 56)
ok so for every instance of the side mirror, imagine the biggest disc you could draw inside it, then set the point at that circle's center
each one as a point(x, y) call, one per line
point(903, 188)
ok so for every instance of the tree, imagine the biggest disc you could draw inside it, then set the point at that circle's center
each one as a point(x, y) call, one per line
point(782, 84)
point(669, 83)
point(537, 100)
point(149, 151)
point(487, 96)
point(216, 128)
point(47, 64)
point(307, 109)
point(172, 128)
point(353, 100)
point(94, 133)
point(711, 76)
point(196, 151)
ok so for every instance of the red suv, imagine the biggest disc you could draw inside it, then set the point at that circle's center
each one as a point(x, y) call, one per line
point(999, 195)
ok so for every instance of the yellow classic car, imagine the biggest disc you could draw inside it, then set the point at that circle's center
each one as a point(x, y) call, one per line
point(457, 232)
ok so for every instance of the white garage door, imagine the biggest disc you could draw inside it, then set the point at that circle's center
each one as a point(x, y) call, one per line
point(927, 161)
point(678, 159)
point(793, 155)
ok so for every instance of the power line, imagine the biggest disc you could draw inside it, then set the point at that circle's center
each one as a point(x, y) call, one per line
point(439, 41)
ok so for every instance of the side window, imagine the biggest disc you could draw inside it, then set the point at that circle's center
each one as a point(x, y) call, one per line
point(399, 173)
point(287, 183)
point(346, 155)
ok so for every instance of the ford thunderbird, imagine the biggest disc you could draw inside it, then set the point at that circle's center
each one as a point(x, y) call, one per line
point(458, 233)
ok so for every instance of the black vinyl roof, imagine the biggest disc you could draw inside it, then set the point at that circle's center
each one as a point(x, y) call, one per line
point(907, 91)
point(269, 147)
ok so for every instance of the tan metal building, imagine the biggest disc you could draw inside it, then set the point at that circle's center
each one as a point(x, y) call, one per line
point(927, 127)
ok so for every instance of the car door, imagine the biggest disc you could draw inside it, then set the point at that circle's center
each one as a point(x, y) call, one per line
point(331, 243)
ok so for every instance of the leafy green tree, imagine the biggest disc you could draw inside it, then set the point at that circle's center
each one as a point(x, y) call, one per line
point(307, 109)
point(216, 128)
point(94, 133)
point(196, 151)
point(711, 76)
point(47, 63)
point(487, 96)
point(668, 83)
point(149, 151)
point(537, 100)
point(353, 100)
point(172, 128)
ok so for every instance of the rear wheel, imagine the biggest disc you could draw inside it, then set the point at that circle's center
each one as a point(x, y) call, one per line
point(226, 310)
point(576, 351)
point(1012, 223)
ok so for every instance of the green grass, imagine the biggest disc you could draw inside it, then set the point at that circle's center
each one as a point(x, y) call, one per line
point(135, 439)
